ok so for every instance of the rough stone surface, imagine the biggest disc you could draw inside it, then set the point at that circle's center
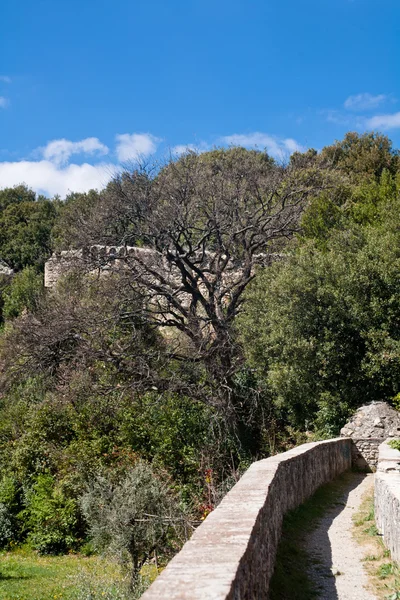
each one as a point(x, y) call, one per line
point(368, 428)
point(5, 270)
point(387, 498)
point(99, 258)
point(231, 556)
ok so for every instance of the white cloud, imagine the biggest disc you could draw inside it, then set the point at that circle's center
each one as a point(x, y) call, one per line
point(3, 102)
point(276, 147)
point(52, 173)
point(135, 145)
point(364, 101)
point(390, 121)
point(59, 151)
point(5, 79)
point(182, 148)
point(49, 178)
point(292, 146)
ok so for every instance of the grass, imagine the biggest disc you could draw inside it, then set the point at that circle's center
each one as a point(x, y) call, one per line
point(24, 575)
point(384, 573)
point(291, 580)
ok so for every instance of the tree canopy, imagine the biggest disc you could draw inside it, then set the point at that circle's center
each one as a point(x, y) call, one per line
point(26, 223)
point(252, 305)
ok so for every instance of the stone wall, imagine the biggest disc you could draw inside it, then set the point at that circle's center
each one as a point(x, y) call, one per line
point(368, 428)
point(111, 258)
point(231, 556)
point(59, 264)
point(89, 259)
point(387, 498)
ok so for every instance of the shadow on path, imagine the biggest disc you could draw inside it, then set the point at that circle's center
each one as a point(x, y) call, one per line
point(305, 567)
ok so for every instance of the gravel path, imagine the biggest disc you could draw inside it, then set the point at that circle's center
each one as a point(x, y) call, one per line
point(338, 567)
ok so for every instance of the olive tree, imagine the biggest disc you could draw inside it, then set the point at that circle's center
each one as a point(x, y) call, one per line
point(132, 518)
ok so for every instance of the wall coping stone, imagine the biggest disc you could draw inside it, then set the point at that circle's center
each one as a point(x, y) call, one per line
point(389, 458)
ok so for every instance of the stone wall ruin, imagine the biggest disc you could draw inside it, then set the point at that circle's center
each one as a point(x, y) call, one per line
point(369, 427)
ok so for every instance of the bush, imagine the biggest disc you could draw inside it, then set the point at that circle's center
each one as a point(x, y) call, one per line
point(24, 293)
point(11, 505)
point(52, 518)
point(395, 444)
point(6, 529)
point(131, 518)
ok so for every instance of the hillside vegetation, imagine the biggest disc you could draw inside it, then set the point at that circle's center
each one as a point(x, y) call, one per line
point(130, 403)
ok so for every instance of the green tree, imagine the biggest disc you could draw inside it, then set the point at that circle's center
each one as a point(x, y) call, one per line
point(23, 293)
point(322, 326)
point(25, 227)
point(362, 155)
point(347, 203)
point(16, 195)
point(132, 518)
point(70, 229)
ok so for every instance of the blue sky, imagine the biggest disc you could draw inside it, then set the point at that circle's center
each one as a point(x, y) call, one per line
point(87, 85)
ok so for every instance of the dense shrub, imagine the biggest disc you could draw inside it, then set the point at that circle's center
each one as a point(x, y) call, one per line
point(322, 326)
point(52, 517)
point(24, 293)
point(6, 529)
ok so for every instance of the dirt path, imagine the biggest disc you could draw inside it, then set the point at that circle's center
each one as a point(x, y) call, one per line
point(338, 567)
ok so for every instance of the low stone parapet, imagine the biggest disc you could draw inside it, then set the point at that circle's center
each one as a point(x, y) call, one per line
point(231, 556)
point(387, 498)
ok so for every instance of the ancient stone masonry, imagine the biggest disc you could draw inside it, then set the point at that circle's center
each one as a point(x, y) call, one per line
point(166, 280)
point(91, 259)
point(368, 428)
point(387, 498)
point(103, 259)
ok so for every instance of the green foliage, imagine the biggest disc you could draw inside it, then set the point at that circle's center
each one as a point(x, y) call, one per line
point(51, 517)
point(395, 444)
point(24, 293)
point(323, 325)
point(25, 227)
point(324, 213)
point(130, 518)
point(11, 498)
point(92, 390)
point(362, 202)
point(362, 156)
point(9, 492)
point(171, 431)
point(6, 529)
point(77, 208)
point(16, 195)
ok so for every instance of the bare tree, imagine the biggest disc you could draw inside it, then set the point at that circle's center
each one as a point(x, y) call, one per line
point(205, 221)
